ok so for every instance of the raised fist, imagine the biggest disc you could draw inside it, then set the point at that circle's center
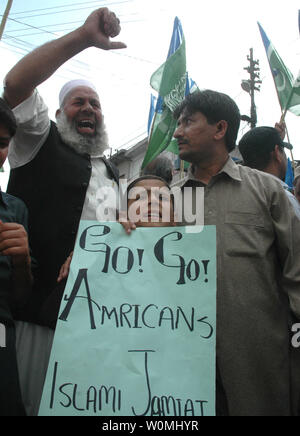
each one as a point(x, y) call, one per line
point(100, 26)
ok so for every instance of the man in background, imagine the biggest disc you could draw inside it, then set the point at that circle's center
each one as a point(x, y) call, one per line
point(263, 149)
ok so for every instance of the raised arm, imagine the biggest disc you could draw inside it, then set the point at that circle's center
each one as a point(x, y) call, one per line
point(40, 64)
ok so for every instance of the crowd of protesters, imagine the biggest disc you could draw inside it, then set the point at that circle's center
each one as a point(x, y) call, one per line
point(58, 167)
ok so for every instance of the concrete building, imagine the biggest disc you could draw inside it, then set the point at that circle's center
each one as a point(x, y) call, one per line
point(129, 161)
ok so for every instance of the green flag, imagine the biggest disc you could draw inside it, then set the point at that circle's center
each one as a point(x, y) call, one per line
point(170, 81)
point(288, 89)
point(294, 101)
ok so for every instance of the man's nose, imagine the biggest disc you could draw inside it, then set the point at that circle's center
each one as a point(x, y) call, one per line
point(178, 132)
point(87, 107)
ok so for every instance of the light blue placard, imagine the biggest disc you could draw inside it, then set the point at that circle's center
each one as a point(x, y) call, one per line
point(137, 324)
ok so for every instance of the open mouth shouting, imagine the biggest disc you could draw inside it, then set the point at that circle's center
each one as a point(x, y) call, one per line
point(86, 127)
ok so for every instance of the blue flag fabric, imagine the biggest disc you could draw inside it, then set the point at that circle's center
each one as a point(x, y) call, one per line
point(151, 112)
point(289, 178)
point(177, 37)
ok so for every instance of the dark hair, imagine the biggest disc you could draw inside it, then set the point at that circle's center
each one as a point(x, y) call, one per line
point(146, 177)
point(149, 177)
point(7, 117)
point(257, 145)
point(216, 107)
point(257, 160)
point(162, 167)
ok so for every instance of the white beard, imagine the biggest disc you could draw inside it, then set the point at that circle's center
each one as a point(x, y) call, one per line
point(92, 145)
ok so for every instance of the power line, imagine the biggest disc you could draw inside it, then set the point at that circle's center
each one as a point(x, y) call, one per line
point(84, 64)
point(82, 68)
point(76, 9)
point(42, 32)
point(31, 47)
point(79, 64)
point(55, 31)
point(15, 46)
point(114, 53)
point(67, 23)
point(133, 139)
point(52, 7)
point(54, 34)
point(42, 27)
point(30, 25)
point(23, 52)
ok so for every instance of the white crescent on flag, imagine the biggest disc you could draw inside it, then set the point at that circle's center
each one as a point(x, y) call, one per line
point(279, 76)
point(297, 81)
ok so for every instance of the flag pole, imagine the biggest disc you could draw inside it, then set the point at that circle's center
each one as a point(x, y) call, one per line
point(287, 105)
point(152, 128)
point(288, 138)
point(181, 169)
point(292, 155)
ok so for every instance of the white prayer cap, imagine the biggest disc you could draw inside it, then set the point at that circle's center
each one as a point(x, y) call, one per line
point(71, 85)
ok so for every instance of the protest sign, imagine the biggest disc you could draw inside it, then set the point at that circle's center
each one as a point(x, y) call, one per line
point(137, 325)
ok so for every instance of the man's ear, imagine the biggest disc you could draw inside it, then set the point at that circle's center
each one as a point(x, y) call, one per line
point(221, 129)
point(58, 112)
point(3, 155)
point(278, 155)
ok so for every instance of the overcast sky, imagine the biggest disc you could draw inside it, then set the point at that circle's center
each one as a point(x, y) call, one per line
point(218, 37)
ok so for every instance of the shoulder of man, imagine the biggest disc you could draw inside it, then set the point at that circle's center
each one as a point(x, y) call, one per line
point(268, 187)
point(260, 178)
point(112, 169)
point(17, 207)
point(13, 201)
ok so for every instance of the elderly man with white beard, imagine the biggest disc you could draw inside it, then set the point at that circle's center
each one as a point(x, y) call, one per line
point(58, 169)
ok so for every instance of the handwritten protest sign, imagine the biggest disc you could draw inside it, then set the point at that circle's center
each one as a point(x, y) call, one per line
point(137, 323)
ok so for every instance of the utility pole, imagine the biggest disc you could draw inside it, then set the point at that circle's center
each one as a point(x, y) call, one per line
point(250, 86)
point(5, 16)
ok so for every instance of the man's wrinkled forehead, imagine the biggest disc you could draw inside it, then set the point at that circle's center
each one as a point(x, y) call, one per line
point(187, 112)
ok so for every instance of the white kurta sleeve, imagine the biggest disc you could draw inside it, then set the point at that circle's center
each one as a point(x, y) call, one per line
point(33, 128)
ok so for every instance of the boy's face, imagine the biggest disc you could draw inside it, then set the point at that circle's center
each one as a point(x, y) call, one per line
point(5, 137)
point(150, 204)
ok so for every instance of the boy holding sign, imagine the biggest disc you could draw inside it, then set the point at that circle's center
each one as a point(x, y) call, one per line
point(136, 312)
point(149, 204)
